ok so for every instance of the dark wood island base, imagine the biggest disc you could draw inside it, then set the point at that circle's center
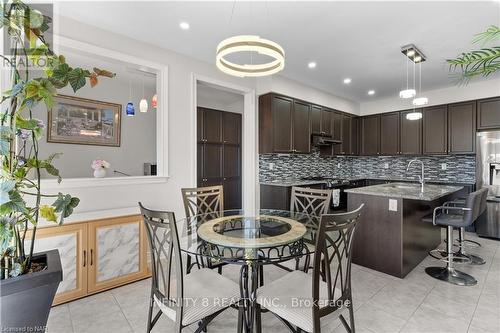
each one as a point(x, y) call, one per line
point(394, 240)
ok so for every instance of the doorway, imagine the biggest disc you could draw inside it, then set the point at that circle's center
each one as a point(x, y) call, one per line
point(219, 141)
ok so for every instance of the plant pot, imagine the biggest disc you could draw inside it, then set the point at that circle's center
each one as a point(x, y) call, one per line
point(25, 301)
point(100, 173)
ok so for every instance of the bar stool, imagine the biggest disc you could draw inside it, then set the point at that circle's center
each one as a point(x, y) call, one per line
point(463, 243)
point(454, 217)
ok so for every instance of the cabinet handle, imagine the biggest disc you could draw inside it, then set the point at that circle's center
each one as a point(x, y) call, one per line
point(91, 257)
point(84, 258)
point(224, 178)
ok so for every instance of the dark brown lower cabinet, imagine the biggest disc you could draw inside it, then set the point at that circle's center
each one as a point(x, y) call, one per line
point(219, 162)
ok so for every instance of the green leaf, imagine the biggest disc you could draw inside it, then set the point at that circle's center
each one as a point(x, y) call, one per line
point(16, 270)
point(16, 204)
point(29, 124)
point(65, 205)
point(6, 233)
point(47, 212)
point(51, 170)
point(5, 187)
point(61, 72)
point(4, 147)
point(36, 19)
point(77, 78)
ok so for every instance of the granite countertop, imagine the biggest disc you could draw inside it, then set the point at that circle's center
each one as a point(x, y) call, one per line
point(298, 182)
point(407, 191)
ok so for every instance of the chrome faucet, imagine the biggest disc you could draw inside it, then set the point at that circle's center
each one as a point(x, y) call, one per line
point(420, 178)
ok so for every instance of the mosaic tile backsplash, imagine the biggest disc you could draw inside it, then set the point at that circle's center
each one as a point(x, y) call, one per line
point(459, 168)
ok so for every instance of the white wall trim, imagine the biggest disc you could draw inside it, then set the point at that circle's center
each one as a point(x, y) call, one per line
point(161, 120)
point(249, 129)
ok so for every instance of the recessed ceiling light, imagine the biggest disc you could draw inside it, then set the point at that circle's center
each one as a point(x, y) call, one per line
point(371, 92)
point(347, 80)
point(312, 64)
point(184, 25)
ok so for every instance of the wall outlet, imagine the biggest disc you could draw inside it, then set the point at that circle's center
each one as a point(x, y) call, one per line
point(444, 166)
point(271, 166)
point(393, 205)
point(386, 165)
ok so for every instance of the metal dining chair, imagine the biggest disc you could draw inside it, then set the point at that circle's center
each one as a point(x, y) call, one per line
point(313, 202)
point(299, 299)
point(185, 299)
point(207, 203)
point(310, 201)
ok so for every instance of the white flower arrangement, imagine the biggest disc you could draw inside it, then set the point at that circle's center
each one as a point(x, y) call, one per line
point(100, 164)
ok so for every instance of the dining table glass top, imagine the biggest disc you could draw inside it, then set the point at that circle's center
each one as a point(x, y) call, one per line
point(238, 235)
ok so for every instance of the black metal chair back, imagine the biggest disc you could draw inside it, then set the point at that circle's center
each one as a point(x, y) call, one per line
point(332, 261)
point(166, 262)
point(310, 201)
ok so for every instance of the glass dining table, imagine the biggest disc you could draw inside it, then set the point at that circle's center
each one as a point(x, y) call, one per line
point(251, 240)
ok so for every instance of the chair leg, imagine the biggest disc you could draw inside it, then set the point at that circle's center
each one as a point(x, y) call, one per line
point(150, 315)
point(240, 318)
point(258, 319)
point(261, 275)
point(449, 273)
point(219, 270)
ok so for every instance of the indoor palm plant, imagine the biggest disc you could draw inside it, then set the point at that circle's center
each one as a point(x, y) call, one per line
point(23, 273)
point(483, 62)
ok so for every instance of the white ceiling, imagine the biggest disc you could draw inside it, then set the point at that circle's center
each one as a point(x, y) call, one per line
point(360, 40)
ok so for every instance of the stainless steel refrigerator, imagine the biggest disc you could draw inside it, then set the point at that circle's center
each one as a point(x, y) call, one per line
point(488, 175)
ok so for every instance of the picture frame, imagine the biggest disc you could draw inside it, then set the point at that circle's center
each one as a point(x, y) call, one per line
point(76, 120)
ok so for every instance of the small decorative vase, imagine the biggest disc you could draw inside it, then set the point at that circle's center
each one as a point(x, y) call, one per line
point(100, 173)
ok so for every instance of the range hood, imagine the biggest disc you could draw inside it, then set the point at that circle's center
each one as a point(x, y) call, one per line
point(321, 140)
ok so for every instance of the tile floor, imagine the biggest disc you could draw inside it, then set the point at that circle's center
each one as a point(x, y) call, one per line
point(382, 303)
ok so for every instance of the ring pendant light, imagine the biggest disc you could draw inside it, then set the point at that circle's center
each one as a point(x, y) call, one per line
point(250, 43)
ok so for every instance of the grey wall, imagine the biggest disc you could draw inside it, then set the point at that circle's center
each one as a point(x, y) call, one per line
point(459, 168)
point(138, 133)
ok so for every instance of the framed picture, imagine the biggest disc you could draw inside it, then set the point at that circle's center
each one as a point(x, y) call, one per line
point(83, 121)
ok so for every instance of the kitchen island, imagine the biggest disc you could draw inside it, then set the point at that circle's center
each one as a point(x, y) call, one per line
point(391, 236)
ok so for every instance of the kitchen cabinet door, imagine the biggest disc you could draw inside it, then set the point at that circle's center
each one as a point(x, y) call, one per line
point(326, 121)
point(71, 241)
point(389, 133)
point(301, 129)
point(117, 252)
point(488, 113)
point(316, 119)
point(345, 147)
point(212, 126)
point(355, 136)
point(212, 161)
point(282, 123)
point(370, 135)
point(231, 128)
point(411, 134)
point(435, 127)
point(336, 123)
point(232, 193)
point(462, 128)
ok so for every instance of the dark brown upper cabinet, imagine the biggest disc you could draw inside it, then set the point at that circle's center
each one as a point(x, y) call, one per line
point(389, 133)
point(211, 125)
point(370, 135)
point(316, 119)
point(301, 129)
point(231, 128)
point(336, 125)
point(411, 134)
point(320, 120)
point(488, 113)
point(284, 125)
point(435, 127)
point(462, 128)
point(355, 135)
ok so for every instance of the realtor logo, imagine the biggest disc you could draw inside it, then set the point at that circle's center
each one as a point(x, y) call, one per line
point(26, 33)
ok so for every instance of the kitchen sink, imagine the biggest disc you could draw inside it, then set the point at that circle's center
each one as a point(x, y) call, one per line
point(404, 187)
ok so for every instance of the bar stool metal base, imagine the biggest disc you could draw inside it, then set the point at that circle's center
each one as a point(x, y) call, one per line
point(451, 275)
point(472, 259)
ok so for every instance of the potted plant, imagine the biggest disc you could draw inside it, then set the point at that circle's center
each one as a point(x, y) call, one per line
point(28, 281)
